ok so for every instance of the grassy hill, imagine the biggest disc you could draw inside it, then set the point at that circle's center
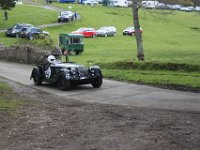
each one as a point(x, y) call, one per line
point(170, 37)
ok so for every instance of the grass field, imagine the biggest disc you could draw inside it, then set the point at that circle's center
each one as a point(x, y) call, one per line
point(8, 100)
point(169, 36)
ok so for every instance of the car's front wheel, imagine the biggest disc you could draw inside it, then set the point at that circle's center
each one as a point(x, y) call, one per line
point(17, 35)
point(97, 82)
point(62, 82)
point(37, 79)
point(30, 37)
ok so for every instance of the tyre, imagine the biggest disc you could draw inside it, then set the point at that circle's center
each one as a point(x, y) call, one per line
point(77, 53)
point(62, 82)
point(37, 79)
point(98, 82)
point(30, 37)
point(94, 35)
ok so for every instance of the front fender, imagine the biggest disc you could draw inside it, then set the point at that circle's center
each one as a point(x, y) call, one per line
point(36, 70)
point(96, 70)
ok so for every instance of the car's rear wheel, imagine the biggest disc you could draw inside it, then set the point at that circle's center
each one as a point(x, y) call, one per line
point(98, 82)
point(37, 79)
point(77, 53)
point(62, 82)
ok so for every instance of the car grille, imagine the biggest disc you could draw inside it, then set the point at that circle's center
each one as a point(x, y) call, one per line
point(83, 72)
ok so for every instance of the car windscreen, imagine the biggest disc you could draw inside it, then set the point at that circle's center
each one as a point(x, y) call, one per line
point(75, 40)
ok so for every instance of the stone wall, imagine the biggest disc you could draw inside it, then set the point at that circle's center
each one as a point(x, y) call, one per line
point(25, 54)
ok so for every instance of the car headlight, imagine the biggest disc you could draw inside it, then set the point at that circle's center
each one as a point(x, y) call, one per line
point(93, 68)
point(13, 31)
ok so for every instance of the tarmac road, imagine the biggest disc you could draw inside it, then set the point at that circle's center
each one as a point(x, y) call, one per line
point(111, 92)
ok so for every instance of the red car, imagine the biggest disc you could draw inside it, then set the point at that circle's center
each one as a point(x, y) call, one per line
point(86, 32)
point(130, 31)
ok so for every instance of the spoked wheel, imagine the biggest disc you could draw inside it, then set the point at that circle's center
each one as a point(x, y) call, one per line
point(62, 82)
point(97, 83)
point(37, 79)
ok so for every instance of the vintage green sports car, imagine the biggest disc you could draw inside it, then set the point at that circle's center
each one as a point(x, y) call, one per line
point(66, 74)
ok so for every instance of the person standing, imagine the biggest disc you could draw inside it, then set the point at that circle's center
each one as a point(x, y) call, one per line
point(75, 15)
point(6, 15)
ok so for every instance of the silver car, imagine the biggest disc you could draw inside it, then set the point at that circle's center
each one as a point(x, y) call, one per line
point(106, 31)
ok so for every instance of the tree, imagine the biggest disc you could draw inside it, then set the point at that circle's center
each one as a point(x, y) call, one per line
point(196, 3)
point(6, 5)
point(138, 35)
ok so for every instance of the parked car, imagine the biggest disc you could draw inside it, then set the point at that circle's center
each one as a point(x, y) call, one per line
point(66, 74)
point(15, 29)
point(130, 31)
point(90, 2)
point(187, 9)
point(18, 2)
point(32, 33)
point(106, 31)
point(86, 32)
point(65, 16)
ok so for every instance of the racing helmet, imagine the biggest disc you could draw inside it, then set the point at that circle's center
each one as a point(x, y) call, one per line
point(51, 59)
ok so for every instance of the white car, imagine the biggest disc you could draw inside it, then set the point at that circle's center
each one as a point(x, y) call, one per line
point(186, 9)
point(90, 2)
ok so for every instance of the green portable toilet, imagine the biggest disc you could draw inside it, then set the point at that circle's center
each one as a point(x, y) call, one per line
point(72, 43)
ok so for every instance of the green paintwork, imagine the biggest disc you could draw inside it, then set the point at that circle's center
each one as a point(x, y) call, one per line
point(71, 43)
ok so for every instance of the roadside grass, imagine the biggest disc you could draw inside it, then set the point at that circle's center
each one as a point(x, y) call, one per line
point(8, 99)
point(168, 75)
point(170, 37)
point(168, 79)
